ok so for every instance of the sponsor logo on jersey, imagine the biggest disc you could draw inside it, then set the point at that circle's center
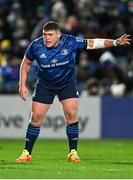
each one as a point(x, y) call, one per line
point(43, 55)
point(54, 64)
point(64, 52)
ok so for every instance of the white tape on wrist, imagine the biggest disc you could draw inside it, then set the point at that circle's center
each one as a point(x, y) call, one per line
point(115, 42)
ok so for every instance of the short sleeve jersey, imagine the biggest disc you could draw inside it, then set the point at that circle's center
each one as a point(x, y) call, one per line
point(57, 64)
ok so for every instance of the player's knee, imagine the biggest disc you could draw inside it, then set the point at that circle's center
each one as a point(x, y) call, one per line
point(71, 116)
point(36, 118)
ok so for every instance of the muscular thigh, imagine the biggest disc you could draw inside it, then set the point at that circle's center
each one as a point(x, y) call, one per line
point(70, 108)
point(68, 97)
point(38, 112)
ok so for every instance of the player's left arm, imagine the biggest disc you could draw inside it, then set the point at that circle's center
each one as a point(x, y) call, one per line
point(105, 43)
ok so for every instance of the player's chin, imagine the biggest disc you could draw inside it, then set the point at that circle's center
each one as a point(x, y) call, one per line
point(49, 45)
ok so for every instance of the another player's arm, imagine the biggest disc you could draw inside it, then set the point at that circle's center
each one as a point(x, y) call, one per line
point(24, 69)
point(105, 43)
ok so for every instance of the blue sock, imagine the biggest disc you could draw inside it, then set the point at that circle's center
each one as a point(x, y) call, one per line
point(72, 131)
point(31, 136)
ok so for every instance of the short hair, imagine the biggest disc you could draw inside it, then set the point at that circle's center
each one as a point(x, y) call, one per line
point(51, 25)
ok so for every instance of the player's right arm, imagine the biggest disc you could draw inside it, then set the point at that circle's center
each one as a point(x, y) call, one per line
point(24, 69)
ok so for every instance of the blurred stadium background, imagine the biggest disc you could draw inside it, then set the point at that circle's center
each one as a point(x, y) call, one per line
point(105, 81)
point(105, 76)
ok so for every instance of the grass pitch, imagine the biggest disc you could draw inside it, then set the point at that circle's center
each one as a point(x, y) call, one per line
point(100, 159)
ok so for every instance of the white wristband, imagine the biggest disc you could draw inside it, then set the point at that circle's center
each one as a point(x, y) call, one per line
point(116, 42)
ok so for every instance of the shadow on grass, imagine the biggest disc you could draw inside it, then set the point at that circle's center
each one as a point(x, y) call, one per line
point(4, 162)
point(104, 161)
point(15, 165)
point(11, 165)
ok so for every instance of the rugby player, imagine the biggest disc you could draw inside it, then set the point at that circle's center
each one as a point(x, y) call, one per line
point(55, 54)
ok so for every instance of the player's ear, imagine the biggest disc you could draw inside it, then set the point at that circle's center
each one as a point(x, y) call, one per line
point(59, 34)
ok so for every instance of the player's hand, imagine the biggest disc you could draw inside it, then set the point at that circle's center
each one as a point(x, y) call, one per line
point(23, 92)
point(123, 40)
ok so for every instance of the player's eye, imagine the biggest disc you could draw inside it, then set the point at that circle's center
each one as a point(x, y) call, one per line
point(50, 34)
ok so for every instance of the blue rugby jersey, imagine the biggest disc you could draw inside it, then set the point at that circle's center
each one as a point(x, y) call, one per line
point(57, 64)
